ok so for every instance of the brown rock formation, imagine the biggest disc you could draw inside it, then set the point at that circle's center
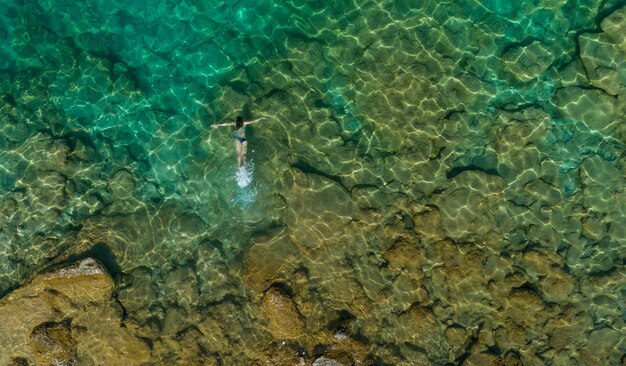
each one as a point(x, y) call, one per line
point(282, 316)
point(66, 317)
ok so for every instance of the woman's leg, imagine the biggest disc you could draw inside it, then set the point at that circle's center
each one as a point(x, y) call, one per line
point(238, 149)
point(244, 148)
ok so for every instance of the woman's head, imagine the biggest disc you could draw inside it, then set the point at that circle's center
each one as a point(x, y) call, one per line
point(239, 122)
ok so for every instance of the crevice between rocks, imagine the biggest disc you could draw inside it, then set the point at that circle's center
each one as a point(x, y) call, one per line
point(308, 169)
point(460, 169)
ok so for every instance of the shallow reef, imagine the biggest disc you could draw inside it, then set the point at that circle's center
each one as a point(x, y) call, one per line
point(434, 183)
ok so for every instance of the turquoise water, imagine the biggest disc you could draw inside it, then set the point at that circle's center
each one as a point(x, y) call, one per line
point(423, 165)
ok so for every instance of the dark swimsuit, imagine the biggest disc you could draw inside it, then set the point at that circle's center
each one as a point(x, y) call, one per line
point(237, 136)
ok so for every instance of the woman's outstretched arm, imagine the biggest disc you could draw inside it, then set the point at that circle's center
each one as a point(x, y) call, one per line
point(223, 124)
point(253, 121)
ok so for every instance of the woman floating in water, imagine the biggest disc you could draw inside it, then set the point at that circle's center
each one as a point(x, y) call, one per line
point(239, 135)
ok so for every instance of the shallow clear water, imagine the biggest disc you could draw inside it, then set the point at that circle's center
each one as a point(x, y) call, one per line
point(426, 170)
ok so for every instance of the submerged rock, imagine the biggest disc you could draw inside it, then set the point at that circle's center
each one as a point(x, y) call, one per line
point(344, 350)
point(318, 211)
point(323, 361)
point(52, 343)
point(283, 354)
point(528, 62)
point(283, 319)
point(66, 317)
point(593, 107)
point(268, 261)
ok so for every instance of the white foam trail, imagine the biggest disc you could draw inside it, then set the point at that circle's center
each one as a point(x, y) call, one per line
point(244, 176)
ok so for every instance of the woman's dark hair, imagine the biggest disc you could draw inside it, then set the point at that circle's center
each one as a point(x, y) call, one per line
point(239, 122)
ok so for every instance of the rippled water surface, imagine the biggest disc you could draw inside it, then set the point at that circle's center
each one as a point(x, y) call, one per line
point(434, 182)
